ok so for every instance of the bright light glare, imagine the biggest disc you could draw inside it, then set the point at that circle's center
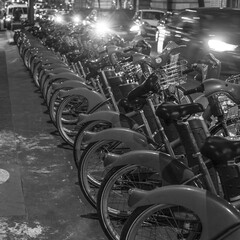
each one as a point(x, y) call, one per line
point(76, 19)
point(135, 28)
point(220, 46)
point(58, 19)
point(102, 27)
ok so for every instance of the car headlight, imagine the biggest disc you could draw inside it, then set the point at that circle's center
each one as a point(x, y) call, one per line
point(76, 19)
point(220, 46)
point(58, 19)
point(8, 19)
point(102, 27)
point(135, 28)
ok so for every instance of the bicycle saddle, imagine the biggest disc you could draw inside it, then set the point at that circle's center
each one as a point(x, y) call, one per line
point(169, 111)
point(150, 84)
point(220, 149)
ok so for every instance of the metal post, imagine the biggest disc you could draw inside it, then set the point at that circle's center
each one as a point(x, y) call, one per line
point(169, 5)
point(31, 11)
point(201, 3)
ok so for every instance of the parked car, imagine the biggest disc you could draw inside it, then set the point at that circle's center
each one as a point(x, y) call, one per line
point(205, 30)
point(11, 10)
point(148, 20)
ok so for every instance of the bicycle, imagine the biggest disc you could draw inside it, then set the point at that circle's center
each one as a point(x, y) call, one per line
point(128, 165)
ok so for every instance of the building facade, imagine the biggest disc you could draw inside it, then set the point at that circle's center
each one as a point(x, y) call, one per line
point(170, 5)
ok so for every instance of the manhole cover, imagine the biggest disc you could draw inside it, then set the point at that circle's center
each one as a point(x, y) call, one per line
point(4, 176)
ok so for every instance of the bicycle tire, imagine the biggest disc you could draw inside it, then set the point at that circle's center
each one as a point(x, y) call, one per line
point(92, 126)
point(166, 221)
point(67, 116)
point(50, 91)
point(218, 130)
point(98, 125)
point(54, 103)
point(112, 199)
point(91, 171)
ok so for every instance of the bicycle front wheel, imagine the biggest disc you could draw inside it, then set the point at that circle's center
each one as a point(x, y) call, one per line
point(162, 222)
point(91, 170)
point(231, 129)
point(112, 200)
point(67, 116)
point(92, 126)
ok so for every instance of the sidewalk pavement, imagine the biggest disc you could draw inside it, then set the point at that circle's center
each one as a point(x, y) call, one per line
point(39, 197)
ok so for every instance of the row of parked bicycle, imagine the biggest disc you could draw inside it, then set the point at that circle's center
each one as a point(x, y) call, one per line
point(152, 161)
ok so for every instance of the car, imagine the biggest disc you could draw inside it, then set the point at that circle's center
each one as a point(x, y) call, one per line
point(67, 17)
point(203, 31)
point(48, 13)
point(113, 21)
point(147, 20)
point(10, 13)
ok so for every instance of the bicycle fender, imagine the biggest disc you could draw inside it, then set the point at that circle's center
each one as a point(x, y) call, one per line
point(60, 70)
point(93, 97)
point(139, 57)
point(215, 213)
point(50, 66)
point(146, 158)
point(213, 86)
point(171, 170)
point(108, 116)
point(131, 138)
point(69, 84)
point(66, 75)
point(63, 76)
point(44, 60)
